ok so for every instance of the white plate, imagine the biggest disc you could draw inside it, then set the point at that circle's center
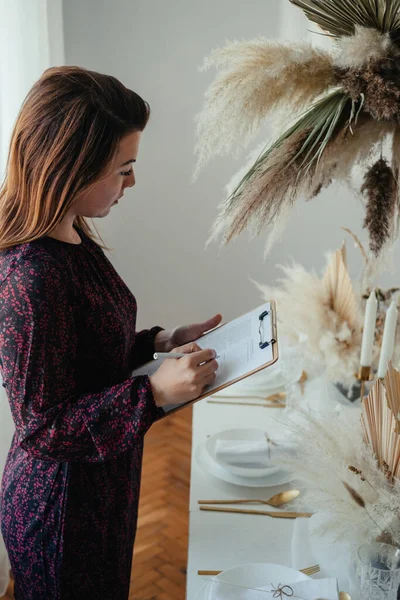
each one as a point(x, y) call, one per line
point(211, 467)
point(255, 575)
point(242, 470)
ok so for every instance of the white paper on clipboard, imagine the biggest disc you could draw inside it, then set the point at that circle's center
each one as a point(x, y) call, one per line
point(244, 345)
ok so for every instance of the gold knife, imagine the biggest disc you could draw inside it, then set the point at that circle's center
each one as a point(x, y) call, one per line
point(274, 514)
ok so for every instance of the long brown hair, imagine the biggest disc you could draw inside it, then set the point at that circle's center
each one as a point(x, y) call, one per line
point(65, 136)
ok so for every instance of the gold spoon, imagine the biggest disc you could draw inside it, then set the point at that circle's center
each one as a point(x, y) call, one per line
point(344, 596)
point(277, 500)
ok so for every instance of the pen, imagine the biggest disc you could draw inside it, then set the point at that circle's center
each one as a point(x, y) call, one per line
point(157, 355)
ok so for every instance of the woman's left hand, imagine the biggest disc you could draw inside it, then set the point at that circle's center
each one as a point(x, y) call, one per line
point(167, 340)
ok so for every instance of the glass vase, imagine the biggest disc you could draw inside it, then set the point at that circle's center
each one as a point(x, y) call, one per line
point(378, 570)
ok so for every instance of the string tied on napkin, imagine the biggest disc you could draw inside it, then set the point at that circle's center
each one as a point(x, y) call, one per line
point(281, 591)
point(269, 444)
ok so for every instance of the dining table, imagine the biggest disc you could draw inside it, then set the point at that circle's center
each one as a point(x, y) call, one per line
point(219, 540)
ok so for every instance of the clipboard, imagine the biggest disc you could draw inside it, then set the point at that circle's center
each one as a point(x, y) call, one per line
point(245, 345)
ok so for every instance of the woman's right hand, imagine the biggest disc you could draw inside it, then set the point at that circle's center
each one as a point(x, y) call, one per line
point(183, 379)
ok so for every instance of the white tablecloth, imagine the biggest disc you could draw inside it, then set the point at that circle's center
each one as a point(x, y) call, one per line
point(219, 541)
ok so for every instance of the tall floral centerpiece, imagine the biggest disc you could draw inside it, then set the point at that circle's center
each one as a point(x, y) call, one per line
point(347, 101)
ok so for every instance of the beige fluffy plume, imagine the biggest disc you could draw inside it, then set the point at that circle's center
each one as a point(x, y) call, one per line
point(353, 145)
point(327, 313)
point(356, 50)
point(266, 198)
point(331, 452)
point(254, 78)
point(269, 192)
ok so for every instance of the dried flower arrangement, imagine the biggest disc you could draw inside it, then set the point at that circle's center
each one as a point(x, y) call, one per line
point(348, 101)
point(350, 466)
point(329, 312)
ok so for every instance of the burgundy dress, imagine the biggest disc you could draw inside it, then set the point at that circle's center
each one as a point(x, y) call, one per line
point(70, 489)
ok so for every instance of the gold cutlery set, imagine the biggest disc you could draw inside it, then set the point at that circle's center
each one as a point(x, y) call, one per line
point(275, 501)
point(277, 400)
point(308, 571)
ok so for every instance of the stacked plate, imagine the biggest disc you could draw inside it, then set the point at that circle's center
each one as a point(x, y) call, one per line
point(244, 457)
point(285, 372)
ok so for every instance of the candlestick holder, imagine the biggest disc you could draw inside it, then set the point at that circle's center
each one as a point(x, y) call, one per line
point(364, 375)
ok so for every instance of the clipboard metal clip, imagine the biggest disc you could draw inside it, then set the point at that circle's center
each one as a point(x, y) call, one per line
point(264, 344)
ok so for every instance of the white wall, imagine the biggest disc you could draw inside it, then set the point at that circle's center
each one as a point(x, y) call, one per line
point(158, 232)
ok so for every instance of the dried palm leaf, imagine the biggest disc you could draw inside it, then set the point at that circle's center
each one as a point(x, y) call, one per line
point(340, 17)
point(255, 78)
point(352, 146)
point(380, 422)
point(339, 289)
point(321, 122)
point(273, 188)
point(333, 335)
point(392, 386)
point(284, 170)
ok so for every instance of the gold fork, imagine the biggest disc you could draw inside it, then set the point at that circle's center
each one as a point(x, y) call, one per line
point(311, 570)
point(307, 571)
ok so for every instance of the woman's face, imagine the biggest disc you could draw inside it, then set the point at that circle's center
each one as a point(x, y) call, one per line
point(106, 192)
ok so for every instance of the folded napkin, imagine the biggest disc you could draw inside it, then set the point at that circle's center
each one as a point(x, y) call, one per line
point(310, 589)
point(244, 452)
point(309, 548)
point(302, 553)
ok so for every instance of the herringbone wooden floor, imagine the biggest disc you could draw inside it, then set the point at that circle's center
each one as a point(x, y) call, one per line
point(159, 564)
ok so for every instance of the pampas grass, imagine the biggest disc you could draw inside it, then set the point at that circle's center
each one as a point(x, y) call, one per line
point(350, 146)
point(283, 171)
point(248, 208)
point(380, 190)
point(329, 313)
point(330, 318)
point(326, 448)
point(379, 84)
point(353, 52)
point(353, 145)
point(350, 99)
point(255, 78)
point(359, 455)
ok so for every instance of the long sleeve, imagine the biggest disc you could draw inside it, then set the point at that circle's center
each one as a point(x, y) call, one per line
point(38, 348)
point(143, 348)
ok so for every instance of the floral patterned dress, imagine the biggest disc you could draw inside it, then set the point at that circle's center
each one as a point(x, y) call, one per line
point(70, 488)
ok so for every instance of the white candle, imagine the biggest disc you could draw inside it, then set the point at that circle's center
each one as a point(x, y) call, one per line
point(369, 330)
point(388, 339)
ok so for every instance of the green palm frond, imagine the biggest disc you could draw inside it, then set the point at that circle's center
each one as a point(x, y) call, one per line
point(321, 121)
point(340, 17)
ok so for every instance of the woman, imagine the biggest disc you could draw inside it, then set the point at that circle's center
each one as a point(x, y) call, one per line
point(68, 344)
